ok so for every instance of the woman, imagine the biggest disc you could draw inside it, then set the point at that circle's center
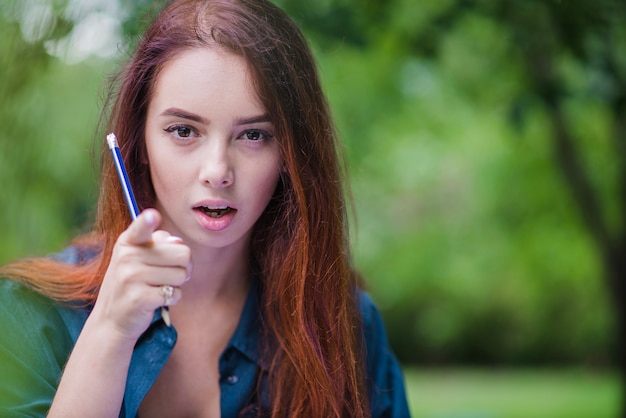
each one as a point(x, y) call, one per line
point(226, 134)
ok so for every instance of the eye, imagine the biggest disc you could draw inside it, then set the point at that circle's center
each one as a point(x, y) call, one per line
point(181, 131)
point(255, 135)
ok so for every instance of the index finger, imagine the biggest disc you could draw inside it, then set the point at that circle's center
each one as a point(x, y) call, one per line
point(140, 231)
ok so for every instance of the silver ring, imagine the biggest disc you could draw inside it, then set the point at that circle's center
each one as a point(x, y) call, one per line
point(168, 292)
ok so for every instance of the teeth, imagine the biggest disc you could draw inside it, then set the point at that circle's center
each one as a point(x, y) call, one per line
point(216, 211)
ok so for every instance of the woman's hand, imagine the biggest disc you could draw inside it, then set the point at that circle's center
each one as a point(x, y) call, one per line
point(143, 260)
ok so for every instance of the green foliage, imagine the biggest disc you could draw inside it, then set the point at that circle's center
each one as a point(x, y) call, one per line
point(511, 393)
point(49, 185)
point(48, 112)
point(467, 231)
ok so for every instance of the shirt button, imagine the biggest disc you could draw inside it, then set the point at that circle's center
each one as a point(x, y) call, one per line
point(232, 379)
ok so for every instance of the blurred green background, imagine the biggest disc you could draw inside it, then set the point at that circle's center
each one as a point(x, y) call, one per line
point(486, 144)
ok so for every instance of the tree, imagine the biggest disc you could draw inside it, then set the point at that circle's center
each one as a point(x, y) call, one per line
point(546, 41)
point(552, 71)
point(565, 69)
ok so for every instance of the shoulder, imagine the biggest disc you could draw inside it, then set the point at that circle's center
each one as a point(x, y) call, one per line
point(28, 319)
point(27, 316)
point(31, 311)
point(22, 308)
point(374, 333)
point(367, 307)
point(384, 375)
point(77, 255)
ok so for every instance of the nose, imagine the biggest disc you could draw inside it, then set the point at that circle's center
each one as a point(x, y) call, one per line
point(216, 168)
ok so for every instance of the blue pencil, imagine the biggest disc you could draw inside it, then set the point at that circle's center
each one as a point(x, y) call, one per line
point(123, 175)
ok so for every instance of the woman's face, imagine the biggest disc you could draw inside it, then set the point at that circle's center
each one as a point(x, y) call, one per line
point(213, 159)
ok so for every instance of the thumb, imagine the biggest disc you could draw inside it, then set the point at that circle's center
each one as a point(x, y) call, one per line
point(140, 231)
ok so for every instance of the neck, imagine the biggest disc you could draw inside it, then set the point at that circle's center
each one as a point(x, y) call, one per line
point(218, 274)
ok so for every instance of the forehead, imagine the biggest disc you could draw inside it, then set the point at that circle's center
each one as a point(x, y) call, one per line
point(212, 72)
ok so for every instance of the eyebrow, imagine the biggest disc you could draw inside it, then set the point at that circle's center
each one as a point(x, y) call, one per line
point(254, 119)
point(179, 113)
point(183, 114)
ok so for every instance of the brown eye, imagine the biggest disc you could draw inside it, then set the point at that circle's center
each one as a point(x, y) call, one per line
point(256, 135)
point(183, 132)
point(180, 131)
point(253, 135)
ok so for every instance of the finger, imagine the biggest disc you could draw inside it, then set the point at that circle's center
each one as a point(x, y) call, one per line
point(164, 236)
point(160, 236)
point(140, 231)
point(170, 250)
point(167, 254)
point(174, 239)
point(189, 264)
point(158, 276)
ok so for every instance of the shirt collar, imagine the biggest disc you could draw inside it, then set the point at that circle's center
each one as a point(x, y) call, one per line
point(247, 336)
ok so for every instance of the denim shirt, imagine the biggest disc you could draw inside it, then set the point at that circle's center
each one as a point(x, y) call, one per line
point(37, 336)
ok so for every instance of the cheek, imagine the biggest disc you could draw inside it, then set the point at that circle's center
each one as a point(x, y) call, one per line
point(165, 174)
point(266, 184)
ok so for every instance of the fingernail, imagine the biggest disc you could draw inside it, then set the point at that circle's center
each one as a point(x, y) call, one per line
point(189, 268)
point(150, 218)
point(174, 238)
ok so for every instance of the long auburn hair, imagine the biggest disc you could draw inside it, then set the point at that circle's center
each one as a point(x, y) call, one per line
point(300, 243)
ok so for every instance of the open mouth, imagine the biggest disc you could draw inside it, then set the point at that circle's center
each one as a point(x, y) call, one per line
point(216, 212)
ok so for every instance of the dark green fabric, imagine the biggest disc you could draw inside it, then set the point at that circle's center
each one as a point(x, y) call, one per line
point(34, 346)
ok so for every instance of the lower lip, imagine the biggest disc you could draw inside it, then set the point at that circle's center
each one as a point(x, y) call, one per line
point(214, 224)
